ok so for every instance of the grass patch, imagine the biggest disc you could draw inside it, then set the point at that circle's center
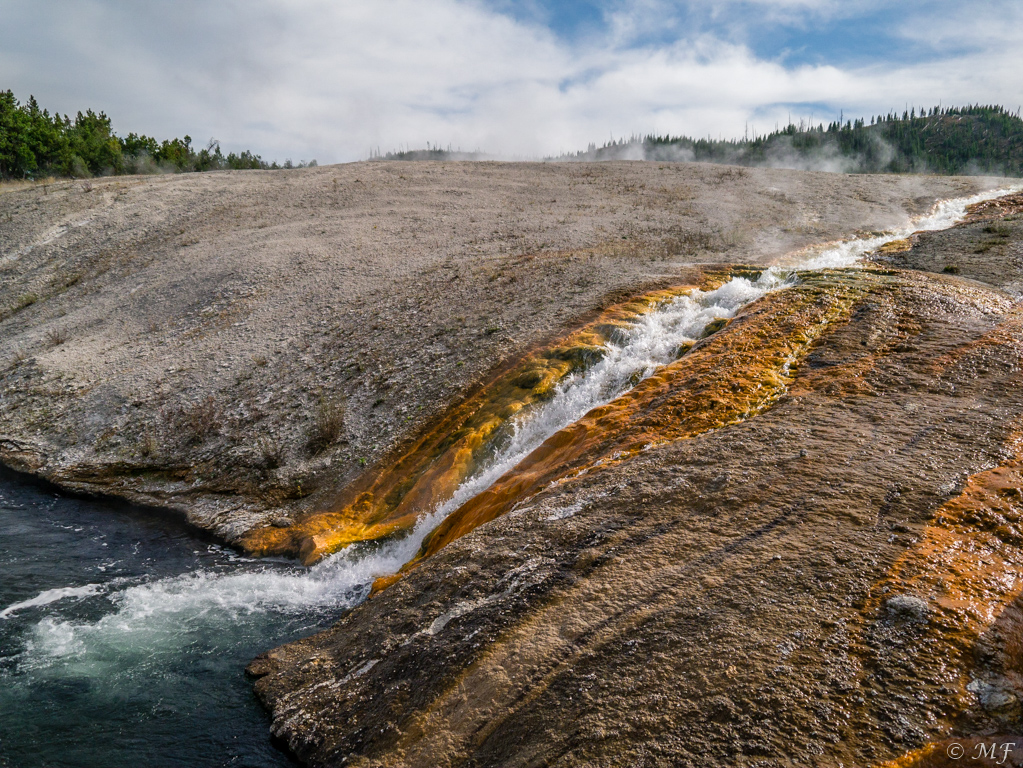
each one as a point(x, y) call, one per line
point(25, 300)
point(998, 228)
point(270, 452)
point(683, 241)
point(148, 445)
point(56, 336)
point(327, 427)
point(197, 423)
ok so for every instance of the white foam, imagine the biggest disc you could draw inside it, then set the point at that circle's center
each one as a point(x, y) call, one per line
point(652, 342)
point(165, 613)
point(53, 596)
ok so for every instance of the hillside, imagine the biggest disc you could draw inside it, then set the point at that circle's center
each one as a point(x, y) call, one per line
point(969, 140)
point(182, 339)
point(738, 563)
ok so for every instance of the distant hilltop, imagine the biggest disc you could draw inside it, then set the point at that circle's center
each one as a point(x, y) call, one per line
point(970, 141)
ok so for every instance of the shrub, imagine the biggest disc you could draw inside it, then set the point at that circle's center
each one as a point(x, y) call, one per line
point(270, 452)
point(25, 300)
point(56, 336)
point(327, 427)
point(148, 444)
point(195, 424)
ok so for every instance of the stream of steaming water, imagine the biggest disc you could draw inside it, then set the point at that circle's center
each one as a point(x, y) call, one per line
point(119, 633)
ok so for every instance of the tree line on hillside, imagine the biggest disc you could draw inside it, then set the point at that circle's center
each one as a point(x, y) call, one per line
point(34, 143)
point(971, 140)
point(967, 140)
point(431, 153)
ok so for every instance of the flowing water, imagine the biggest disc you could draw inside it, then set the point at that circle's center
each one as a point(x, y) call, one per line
point(123, 638)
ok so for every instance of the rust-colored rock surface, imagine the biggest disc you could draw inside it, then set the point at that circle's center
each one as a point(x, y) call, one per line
point(726, 380)
point(798, 545)
point(397, 495)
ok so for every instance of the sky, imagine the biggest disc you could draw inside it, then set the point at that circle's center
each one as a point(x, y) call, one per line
point(336, 79)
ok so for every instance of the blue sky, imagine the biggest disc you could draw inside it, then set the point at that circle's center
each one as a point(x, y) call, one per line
point(332, 80)
point(849, 34)
point(570, 21)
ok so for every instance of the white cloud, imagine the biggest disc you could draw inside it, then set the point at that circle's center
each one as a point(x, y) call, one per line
point(313, 78)
point(994, 26)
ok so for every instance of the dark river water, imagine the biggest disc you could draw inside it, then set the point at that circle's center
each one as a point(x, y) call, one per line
point(123, 637)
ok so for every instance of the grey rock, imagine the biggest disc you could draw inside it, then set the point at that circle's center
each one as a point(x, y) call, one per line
point(909, 607)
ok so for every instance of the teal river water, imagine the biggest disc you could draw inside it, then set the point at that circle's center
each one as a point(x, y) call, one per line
point(123, 637)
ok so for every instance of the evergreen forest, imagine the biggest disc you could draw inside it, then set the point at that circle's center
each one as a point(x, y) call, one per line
point(36, 144)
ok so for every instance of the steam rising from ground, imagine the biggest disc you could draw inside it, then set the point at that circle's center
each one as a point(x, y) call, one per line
point(779, 153)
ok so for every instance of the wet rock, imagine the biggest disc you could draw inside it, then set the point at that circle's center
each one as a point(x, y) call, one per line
point(719, 483)
point(710, 604)
point(715, 325)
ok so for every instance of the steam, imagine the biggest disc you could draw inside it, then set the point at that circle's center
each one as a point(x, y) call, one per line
point(780, 153)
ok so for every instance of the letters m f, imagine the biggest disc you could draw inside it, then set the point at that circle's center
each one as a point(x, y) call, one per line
point(988, 751)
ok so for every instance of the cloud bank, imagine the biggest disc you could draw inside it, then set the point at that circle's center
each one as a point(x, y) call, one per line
point(313, 78)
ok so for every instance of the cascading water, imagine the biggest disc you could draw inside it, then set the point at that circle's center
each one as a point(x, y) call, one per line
point(124, 629)
point(944, 214)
